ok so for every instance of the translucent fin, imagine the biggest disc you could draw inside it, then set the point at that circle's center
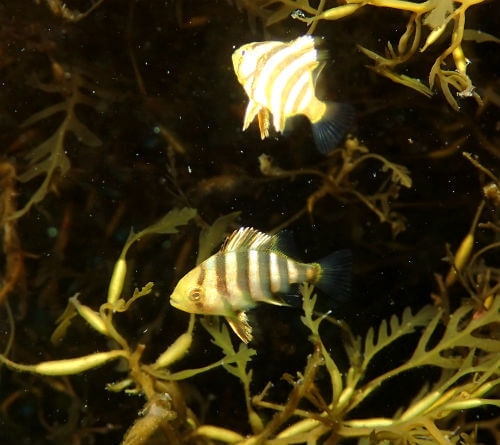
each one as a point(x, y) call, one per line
point(248, 238)
point(336, 274)
point(333, 126)
point(276, 300)
point(239, 324)
point(250, 113)
point(284, 242)
point(264, 122)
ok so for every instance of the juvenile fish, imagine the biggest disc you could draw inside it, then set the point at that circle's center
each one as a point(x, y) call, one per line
point(280, 78)
point(249, 269)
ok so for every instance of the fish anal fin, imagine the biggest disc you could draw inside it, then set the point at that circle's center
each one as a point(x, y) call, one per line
point(239, 324)
point(264, 122)
point(252, 109)
point(248, 238)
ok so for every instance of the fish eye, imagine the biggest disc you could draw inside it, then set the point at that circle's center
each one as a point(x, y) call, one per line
point(195, 294)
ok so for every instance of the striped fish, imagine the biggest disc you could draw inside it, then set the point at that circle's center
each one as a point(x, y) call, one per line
point(249, 268)
point(280, 78)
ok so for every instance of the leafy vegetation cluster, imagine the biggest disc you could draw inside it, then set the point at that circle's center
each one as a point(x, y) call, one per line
point(108, 129)
point(429, 19)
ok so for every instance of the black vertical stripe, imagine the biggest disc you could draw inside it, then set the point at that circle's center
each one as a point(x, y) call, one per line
point(283, 268)
point(264, 273)
point(220, 273)
point(243, 273)
point(201, 276)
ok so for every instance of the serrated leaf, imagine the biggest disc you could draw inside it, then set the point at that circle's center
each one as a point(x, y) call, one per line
point(213, 236)
point(45, 113)
point(169, 223)
point(49, 157)
point(397, 329)
point(399, 173)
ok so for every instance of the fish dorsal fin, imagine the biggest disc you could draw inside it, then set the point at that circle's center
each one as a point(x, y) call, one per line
point(247, 238)
point(239, 324)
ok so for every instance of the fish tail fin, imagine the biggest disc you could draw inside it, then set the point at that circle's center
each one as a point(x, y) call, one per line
point(332, 126)
point(335, 276)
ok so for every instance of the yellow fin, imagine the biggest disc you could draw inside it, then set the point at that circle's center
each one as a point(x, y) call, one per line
point(252, 109)
point(247, 238)
point(264, 123)
point(239, 324)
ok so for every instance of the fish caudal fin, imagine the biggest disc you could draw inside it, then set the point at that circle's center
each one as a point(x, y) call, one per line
point(335, 276)
point(333, 126)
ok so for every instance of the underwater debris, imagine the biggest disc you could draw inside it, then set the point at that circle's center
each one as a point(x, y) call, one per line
point(61, 9)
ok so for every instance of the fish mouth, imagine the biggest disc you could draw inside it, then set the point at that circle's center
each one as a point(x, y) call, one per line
point(175, 303)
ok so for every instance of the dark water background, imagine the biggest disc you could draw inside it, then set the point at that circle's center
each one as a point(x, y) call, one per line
point(191, 90)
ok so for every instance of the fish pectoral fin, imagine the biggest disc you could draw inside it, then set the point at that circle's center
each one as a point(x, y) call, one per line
point(239, 324)
point(264, 122)
point(252, 109)
point(276, 300)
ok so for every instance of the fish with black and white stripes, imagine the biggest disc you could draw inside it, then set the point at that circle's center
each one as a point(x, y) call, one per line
point(249, 268)
point(280, 78)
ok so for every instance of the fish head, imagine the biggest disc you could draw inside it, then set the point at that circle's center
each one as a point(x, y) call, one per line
point(190, 296)
point(244, 62)
point(247, 57)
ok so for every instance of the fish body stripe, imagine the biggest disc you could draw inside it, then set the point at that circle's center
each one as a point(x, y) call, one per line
point(210, 280)
point(297, 93)
point(309, 99)
point(301, 58)
point(264, 274)
point(284, 83)
point(265, 71)
point(254, 274)
point(297, 272)
point(284, 278)
point(274, 272)
point(232, 286)
point(201, 276)
point(279, 61)
point(242, 278)
point(220, 274)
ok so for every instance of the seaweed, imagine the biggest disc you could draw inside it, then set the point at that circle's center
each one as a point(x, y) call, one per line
point(435, 15)
point(337, 181)
point(91, 350)
point(460, 344)
point(50, 157)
